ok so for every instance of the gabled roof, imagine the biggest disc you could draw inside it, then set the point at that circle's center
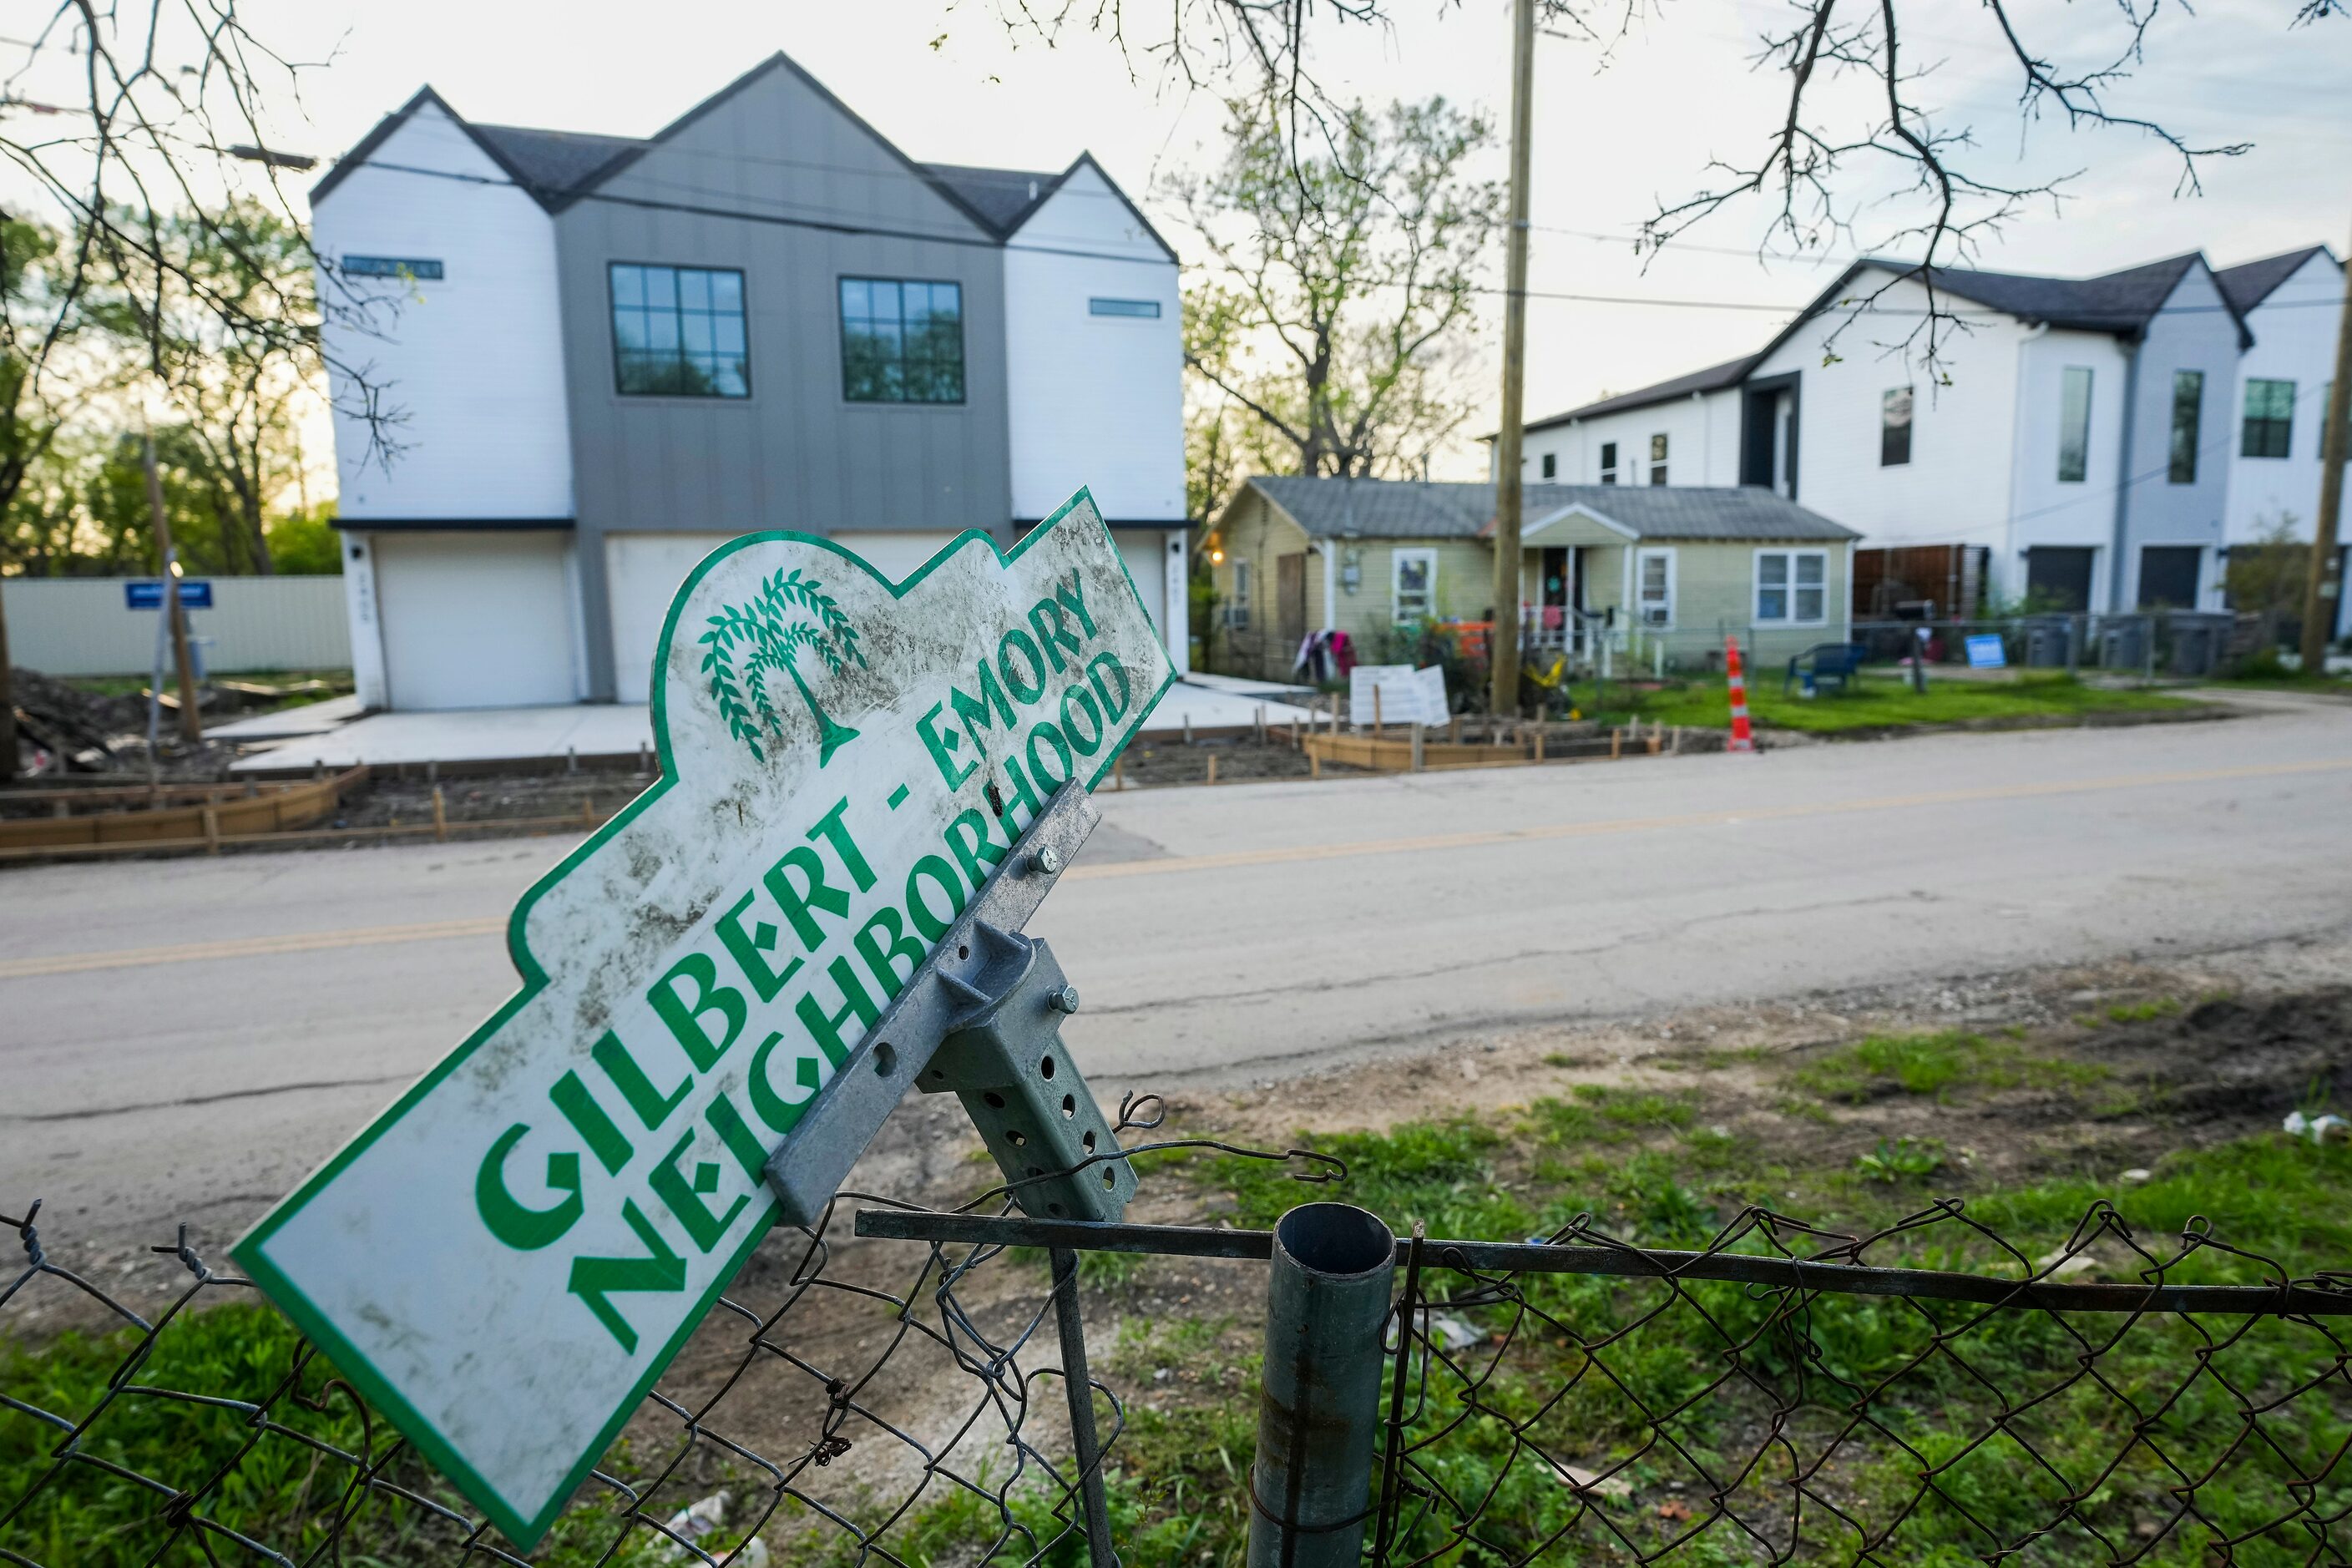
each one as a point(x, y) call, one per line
point(1002, 196)
point(555, 160)
point(2119, 302)
point(1713, 378)
point(560, 167)
point(1415, 509)
point(2122, 302)
point(2250, 283)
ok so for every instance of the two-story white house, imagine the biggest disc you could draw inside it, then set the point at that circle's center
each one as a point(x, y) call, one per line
point(2090, 448)
point(605, 356)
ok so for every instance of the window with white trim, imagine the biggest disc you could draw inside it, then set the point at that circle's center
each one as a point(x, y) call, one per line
point(1238, 612)
point(1608, 462)
point(1792, 587)
point(1658, 458)
point(1412, 585)
point(1654, 587)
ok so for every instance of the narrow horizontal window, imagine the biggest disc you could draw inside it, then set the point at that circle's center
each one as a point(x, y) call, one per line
point(419, 268)
point(1147, 310)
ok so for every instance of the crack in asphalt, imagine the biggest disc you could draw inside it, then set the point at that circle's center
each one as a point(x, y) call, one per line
point(1466, 965)
point(94, 1112)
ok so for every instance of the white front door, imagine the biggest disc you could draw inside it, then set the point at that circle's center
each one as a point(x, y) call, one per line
point(474, 620)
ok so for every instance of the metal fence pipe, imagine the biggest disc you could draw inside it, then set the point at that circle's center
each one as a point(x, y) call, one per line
point(1071, 1322)
point(1319, 1414)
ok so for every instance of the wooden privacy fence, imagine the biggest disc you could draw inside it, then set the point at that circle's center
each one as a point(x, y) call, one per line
point(137, 819)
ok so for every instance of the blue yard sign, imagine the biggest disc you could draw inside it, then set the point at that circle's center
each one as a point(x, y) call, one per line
point(1985, 652)
point(195, 593)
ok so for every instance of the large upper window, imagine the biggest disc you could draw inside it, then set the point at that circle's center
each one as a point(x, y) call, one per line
point(1608, 462)
point(902, 341)
point(1792, 586)
point(677, 331)
point(2270, 419)
point(1894, 427)
point(2188, 406)
point(2074, 425)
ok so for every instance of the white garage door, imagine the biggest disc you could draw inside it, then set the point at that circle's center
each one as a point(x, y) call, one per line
point(474, 620)
point(896, 556)
point(1146, 554)
point(642, 574)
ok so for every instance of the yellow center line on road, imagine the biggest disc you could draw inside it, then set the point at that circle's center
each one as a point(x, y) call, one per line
point(248, 947)
point(491, 925)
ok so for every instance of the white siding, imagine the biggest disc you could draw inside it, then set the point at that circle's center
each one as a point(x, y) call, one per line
point(79, 626)
point(472, 364)
point(1702, 433)
point(1096, 401)
point(1955, 489)
point(2043, 510)
point(2295, 340)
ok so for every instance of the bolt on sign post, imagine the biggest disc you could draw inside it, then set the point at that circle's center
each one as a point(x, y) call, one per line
point(505, 1259)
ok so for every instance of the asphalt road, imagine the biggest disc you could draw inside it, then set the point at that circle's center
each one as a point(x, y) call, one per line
point(183, 1039)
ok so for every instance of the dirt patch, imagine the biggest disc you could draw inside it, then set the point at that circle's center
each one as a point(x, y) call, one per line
point(393, 801)
point(1154, 761)
point(68, 730)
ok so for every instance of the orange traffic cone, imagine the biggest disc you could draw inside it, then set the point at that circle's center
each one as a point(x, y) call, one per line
point(1742, 739)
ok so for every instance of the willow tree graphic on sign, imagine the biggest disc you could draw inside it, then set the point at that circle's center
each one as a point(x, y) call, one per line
point(789, 614)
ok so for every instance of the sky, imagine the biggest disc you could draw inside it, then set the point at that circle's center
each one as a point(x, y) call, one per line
point(1617, 130)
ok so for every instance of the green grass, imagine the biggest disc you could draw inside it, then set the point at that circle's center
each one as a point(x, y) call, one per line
point(278, 1488)
point(2286, 1201)
point(1874, 702)
point(1935, 1064)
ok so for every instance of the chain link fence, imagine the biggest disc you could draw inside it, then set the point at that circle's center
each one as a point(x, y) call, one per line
point(886, 1388)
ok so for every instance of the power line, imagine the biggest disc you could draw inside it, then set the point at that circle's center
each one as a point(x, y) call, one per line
point(830, 225)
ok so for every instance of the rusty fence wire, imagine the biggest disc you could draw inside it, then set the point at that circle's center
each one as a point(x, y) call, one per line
point(1787, 1394)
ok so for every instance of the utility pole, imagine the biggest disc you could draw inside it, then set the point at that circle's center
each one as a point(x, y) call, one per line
point(192, 727)
point(1508, 494)
point(2325, 589)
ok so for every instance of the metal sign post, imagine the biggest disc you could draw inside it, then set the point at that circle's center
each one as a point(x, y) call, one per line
point(866, 789)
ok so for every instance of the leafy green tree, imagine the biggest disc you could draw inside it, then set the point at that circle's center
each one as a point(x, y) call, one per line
point(1343, 269)
point(304, 544)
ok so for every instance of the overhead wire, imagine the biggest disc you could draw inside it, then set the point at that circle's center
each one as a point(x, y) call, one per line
point(844, 226)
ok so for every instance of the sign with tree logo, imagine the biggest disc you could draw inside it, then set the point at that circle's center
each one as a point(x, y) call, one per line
point(505, 1259)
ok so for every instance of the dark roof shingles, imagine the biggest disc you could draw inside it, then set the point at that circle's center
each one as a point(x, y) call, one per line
point(555, 160)
point(2250, 283)
point(1713, 378)
point(1413, 509)
point(1003, 196)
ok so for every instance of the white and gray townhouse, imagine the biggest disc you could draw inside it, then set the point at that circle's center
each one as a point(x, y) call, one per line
point(2100, 443)
point(606, 355)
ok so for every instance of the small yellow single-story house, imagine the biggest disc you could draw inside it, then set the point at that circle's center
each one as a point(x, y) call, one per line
point(1650, 573)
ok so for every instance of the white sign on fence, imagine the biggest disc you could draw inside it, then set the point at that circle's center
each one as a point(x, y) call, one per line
point(508, 1257)
point(1407, 696)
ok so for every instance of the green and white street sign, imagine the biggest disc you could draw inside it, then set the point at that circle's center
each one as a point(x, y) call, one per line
point(505, 1259)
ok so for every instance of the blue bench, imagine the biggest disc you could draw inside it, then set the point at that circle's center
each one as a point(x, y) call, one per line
point(1837, 662)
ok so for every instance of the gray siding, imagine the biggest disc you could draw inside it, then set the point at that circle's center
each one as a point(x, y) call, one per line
point(794, 453)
